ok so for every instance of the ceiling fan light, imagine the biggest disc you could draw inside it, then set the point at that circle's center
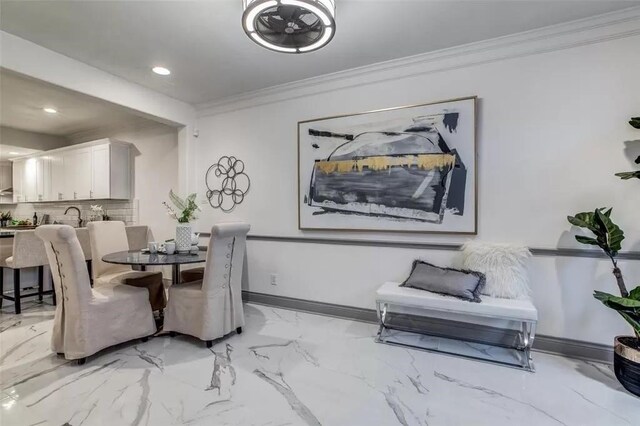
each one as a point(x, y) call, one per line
point(289, 26)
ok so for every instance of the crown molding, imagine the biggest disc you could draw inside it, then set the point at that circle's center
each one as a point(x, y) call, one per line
point(610, 26)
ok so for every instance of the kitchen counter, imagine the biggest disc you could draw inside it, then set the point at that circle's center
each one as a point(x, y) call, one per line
point(8, 232)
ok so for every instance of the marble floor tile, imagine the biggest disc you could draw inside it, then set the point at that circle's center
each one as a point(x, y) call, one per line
point(290, 368)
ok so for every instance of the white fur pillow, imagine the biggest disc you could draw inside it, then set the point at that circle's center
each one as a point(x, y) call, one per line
point(504, 265)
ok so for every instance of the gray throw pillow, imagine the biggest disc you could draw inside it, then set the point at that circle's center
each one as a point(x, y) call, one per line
point(453, 282)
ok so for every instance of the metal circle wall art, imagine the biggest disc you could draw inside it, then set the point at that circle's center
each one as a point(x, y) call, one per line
point(235, 184)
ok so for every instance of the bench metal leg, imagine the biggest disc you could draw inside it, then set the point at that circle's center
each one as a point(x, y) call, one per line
point(527, 335)
point(381, 311)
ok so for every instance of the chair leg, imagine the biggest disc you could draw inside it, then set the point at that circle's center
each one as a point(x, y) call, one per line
point(40, 282)
point(239, 330)
point(16, 290)
point(53, 295)
point(209, 343)
point(89, 270)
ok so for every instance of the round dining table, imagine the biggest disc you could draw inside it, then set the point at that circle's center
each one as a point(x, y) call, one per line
point(144, 259)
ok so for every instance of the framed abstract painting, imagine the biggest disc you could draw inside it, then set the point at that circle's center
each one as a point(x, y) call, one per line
point(406, 169)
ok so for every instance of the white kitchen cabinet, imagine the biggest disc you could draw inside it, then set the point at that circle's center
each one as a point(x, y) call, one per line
point(29, 180)
point(100, 172)
point(33, 180)
point(95, 170)
point(78, 173)
point(18, 179)
point(43, 179)
point(58, 187)
point(6, 180)
point(111, 173)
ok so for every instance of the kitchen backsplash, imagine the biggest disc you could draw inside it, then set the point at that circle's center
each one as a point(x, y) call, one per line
point(126, 211)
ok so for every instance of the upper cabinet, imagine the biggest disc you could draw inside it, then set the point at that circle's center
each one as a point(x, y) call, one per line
point(6, 182)
point(95, 170)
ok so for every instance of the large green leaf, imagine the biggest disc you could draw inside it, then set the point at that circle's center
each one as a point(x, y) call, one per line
point(583, 220)
point(612, 235)
point(608, 236)
point(616, 302)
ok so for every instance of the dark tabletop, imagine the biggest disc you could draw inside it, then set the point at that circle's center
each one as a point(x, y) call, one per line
point(135, 257)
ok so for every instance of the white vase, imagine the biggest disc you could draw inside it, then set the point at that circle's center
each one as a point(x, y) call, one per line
point(183, 238)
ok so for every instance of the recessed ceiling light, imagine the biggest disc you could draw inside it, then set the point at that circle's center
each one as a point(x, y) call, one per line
point(161, 70)
point(49, 110)
point(14, 153)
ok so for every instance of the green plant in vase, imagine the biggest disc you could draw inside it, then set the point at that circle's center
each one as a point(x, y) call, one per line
point(608, 236)
point(184, 212)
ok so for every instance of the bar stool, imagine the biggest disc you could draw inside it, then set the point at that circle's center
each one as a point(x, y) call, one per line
point(28, 252)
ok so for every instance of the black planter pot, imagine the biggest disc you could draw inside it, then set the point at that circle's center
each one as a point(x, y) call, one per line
point(626, 363)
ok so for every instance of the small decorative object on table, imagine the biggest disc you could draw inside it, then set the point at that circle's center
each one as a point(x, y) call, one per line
point(187, 208)
point(608, 236)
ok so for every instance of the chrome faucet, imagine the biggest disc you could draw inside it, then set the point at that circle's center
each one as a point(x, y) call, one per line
point(80, 221)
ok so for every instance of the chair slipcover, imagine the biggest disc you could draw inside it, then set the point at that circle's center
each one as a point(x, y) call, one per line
point(105, 238)
point(28, 251)
point(110, 237)
point(88, 320)
point(212, 308)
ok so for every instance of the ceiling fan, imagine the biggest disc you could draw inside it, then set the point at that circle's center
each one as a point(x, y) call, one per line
point(290, 26)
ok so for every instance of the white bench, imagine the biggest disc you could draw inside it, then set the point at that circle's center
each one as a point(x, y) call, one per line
point(518, 315)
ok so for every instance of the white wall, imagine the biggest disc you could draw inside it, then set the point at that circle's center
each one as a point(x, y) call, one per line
point(551, 133)
point(30, 140)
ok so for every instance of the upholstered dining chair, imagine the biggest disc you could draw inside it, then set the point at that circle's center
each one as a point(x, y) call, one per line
point(87, 319)
point(110, 237)
point(212, 307)
point(28, 252)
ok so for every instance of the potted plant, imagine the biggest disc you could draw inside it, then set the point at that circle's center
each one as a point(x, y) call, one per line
point(608, 236)
point(186, 213)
